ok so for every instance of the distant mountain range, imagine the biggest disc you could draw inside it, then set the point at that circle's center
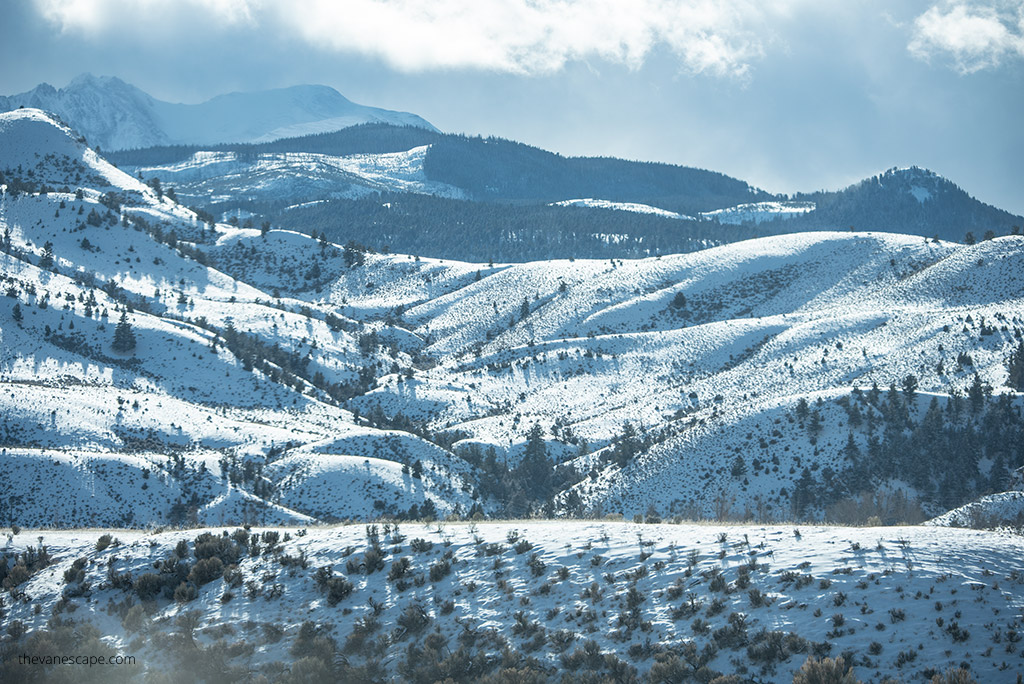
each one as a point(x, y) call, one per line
point(115, 115)
point(453, 196)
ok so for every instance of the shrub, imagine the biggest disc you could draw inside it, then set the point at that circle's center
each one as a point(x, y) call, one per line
point(135, 619)
point(338, 588)
point(76, 573)
point(185, 592)
point(399, 568)
point(233, 576)
point(827, 671)
point(951, 676)
point(373, 560)
point(440, 570)
point(957, 632)
point(16, 629)
point(770, 647)
point(148, 585)
point(16, 575)
point(206, 571)
point(208, 545)
point(103, 542)
point(361, 630)
point(421, 545)
point(312, 642)
point(758, 598)
point(522, 546)
point(413, 618)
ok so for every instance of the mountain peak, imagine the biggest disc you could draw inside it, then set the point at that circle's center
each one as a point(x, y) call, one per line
point(83, 79)
point(114, 114)
point(913, 173)
point(88, 81)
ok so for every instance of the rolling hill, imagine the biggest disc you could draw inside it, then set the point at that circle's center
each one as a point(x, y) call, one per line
point(734, 382)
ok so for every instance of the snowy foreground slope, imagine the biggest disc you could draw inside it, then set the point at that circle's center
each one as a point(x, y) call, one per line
point(526, 601)
point(279, 378)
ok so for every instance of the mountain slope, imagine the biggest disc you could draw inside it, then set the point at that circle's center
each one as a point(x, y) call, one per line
point(75, 260)
point(726, 382)
point(116, 115)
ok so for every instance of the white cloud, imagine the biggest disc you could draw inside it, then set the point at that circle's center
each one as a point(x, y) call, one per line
point(974, 36)
point(94, 17)
point(515, 36)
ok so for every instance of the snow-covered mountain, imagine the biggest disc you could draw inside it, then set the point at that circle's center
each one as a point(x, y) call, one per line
point(215, 378)
point(720, 383)
point(517, 202)
point(295, 178)
point(116, 115)
point(905, 200)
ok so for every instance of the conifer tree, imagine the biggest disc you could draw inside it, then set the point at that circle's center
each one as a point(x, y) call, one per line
point(534, 470)
point(124, 336)
point(1015, 368)
point(46, 260)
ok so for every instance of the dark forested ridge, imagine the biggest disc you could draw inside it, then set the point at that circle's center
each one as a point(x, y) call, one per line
point(496, 169)
point(914, 201)
point(480, 231)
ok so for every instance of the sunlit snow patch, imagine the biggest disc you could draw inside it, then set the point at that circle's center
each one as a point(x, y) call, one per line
point(622, 206)
point(758, 212)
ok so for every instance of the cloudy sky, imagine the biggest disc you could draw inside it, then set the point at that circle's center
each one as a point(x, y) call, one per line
point(788, 95)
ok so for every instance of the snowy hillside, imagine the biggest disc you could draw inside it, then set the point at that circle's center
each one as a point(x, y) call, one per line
point(736, 382)
point(116, 115)
point(584, 347)
point(1005, 509)
point(527, 601)
point(79, 258)
point(213, 177)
